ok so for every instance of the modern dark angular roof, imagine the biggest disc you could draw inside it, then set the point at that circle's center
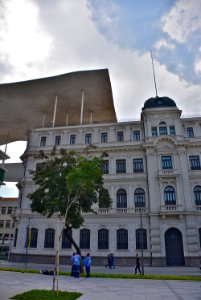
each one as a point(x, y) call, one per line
point(157, 102)
point(30, 104)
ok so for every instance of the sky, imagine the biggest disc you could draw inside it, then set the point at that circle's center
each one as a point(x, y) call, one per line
point(43, 38)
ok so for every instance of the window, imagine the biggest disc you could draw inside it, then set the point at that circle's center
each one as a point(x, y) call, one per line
point(103, 239)
point(169, 195)
point(200, 236)
point(15, 238)
point(194, 162)
point(141, 239)
point(189, 132)
point(34, 237)
point(172, 130)
point(104, 138)
point(120, 136)
point(154, 131)
point(122, 239)
point(105, 167)
point(139, 198)
point(65, 243)
point(197, 195)
point(121, 199)
point(3, 210)
point(166, 162)
point(49, 238)
point(72, 139)
point(8, 223)
point(138, 165)
point(57, 140)
point(120, 166)
point(43, 140)
point(85, 239)
point(9, 210)
point(1, 223)
point(163, 130)
point(136, 135)
point(88, 138)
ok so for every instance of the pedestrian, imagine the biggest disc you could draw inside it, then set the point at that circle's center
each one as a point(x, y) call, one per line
point(72, 264)
point(112, 261)
point(87, 264)
point(109, 261)
point(76, 265)
point(137, 264)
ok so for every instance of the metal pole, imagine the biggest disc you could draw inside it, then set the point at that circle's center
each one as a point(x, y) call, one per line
point(82, 108)
point(27, 242)
point(55, 110)
point(141, 241)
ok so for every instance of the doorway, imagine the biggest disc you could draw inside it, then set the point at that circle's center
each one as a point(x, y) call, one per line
point(174, 248)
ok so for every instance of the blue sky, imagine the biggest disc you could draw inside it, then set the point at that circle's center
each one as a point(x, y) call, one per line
point(45, 38)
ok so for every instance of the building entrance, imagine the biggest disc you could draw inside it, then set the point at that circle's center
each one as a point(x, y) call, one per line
point(174, 248)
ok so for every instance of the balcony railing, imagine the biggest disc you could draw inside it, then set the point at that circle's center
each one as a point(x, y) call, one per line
point(171, 208)
point(133, 210)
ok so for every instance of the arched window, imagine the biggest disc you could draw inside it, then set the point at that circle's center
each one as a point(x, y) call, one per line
point(34, 237)
point(103, 239)
point(65, 243)
point(197, 194)
point(139, 198)
point(85, 239)
point(121, 199)
point(169, 195)
point(141, 238)
point(122, 239)
point(49, 238)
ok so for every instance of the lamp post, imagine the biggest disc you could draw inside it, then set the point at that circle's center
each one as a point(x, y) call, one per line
point(27, 241)
point(141, 240)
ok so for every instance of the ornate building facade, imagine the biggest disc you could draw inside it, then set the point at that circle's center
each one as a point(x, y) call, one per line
point(153, 174)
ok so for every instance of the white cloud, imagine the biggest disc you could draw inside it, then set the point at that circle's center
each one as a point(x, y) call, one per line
point(163, 43)
point(23, 41)
point(198, 66)
point(182, 20)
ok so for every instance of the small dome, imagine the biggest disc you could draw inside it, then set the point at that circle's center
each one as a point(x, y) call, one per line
point(156, 102)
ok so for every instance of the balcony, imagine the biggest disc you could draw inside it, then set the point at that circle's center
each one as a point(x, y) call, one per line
point(168, 173)
point(171, 208)
point(112, 211)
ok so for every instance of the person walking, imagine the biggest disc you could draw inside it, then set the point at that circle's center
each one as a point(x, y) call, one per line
point(137, 264)
point(87, 264)
point(72, 264)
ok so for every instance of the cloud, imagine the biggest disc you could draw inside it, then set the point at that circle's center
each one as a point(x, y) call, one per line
point(182, 20)
point(24, 45)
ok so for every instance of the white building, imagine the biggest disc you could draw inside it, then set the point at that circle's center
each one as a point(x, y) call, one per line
point(153, 174)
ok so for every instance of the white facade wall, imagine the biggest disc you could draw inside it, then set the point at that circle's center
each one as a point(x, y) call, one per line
point(158, 217)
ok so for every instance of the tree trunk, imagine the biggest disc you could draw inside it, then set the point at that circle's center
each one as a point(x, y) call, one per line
point(69, 235)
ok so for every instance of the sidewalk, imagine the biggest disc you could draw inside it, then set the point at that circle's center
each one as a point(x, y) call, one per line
point(13, 283)
point(118, 270)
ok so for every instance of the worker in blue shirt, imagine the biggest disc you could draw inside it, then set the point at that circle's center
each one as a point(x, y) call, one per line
point(87, 264)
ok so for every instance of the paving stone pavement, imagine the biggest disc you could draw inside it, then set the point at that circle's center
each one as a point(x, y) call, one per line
point(12, 283)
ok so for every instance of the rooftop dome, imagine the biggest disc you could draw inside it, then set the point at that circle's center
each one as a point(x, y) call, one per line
point(157, 101)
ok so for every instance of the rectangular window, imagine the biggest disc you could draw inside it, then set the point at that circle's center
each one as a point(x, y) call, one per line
point(163, 130)
point(72, 139)
point(43, 141)
point(88, 138)
point(8, 223)
point(104, 138)
point(172, 130)
point(120, 136)
point(3, 210)
point(121, 166)
point(9, 210)
point(105, 167)
point(138, 165)
point(136, 135)
point(154, 131)
point(189, 132)
point(194, 162)
point(57, 141)
point(166, 162)
point(1, 223)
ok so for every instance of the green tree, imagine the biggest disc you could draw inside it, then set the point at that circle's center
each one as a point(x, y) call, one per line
point(68, 184)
